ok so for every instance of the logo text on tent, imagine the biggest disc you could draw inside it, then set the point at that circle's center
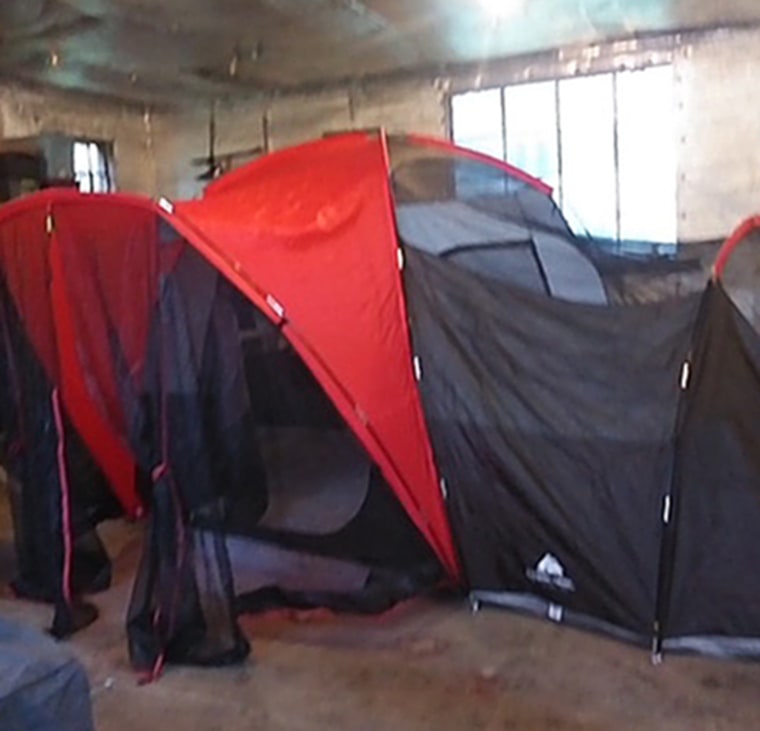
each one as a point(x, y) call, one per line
point(550, 572)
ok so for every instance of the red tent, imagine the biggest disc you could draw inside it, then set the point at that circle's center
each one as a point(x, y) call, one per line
point(315, 224)
point(308, 237)
point(313, 380)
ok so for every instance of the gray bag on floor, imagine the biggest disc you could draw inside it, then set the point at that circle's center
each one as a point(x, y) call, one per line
point(42, 686)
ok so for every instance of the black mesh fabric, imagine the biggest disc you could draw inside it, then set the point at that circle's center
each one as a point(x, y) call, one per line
point(262, 497)
point(30, 441)
point(182, 603)
point(639, 273)
point(714, 590)
point(258, 494)
point(491, 221)
point(432, 175)
point(713, 547)
point(591, 405)
point(740, 276)
point(553, 429)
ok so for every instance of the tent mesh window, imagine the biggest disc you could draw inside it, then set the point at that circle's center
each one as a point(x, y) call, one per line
point(740, 276)
point(499, 224)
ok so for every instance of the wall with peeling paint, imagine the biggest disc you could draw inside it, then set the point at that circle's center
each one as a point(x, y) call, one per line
point(182, 136)
point(27, 112)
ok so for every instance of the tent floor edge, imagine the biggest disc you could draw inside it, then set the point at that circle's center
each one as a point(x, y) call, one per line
point(535, 606)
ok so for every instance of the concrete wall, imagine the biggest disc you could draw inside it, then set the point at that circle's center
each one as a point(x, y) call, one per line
point(182, 136)
point(289, 120)
point(26, 112)
point(406, 107)
point(719, 133)
point(718, 138)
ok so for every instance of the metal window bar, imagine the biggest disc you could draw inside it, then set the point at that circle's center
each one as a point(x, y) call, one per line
point(616, 153)
point(502, 98)
point(558, 122)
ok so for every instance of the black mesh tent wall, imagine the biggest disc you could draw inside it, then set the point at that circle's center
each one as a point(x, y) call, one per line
point(711, 599)
point(273, 484)
point(592, 412)
point(279, 505)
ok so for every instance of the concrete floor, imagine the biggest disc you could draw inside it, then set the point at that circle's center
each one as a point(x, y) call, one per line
point(426, 665)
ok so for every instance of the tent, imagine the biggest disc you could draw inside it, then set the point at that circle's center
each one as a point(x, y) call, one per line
point(363, 366)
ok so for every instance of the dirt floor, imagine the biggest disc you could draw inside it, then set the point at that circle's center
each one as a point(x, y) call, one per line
point(426, 665)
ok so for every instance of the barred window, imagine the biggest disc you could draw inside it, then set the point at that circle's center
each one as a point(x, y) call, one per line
point(92, 166)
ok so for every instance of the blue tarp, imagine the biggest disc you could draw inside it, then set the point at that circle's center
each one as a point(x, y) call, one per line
point(43, 687)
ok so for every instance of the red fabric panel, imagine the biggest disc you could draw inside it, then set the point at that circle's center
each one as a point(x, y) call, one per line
point(104, 256)
point(33, 265)
point(742, 231)
point(106, 448)
point(25, 265)
point(313, 228)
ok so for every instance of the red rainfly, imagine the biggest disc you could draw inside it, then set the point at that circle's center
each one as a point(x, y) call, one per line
point(309, 234)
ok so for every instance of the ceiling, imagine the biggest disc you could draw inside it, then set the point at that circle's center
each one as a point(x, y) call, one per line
point(174, 50)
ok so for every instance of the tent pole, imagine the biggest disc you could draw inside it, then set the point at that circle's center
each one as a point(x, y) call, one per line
point(670, 500)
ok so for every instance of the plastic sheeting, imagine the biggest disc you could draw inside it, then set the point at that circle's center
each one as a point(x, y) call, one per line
point(42, 686)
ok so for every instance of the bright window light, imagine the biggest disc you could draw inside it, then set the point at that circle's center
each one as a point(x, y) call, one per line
point(605, 143)
point(476, 121)
point(501, 8)
point(648, 171)
point(91, 167)
point(587, 154)
point(532, 139)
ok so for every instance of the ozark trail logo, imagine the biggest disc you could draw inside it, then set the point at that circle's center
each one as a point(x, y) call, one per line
point(550, 572)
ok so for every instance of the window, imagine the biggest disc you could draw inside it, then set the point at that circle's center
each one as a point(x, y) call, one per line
point(647, 154)
point(587, 154)
point(92, 170)
point(532, 142)
point(477, 121)
point(605, 143)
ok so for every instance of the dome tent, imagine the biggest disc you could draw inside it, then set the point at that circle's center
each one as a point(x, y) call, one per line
point(351, 368)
